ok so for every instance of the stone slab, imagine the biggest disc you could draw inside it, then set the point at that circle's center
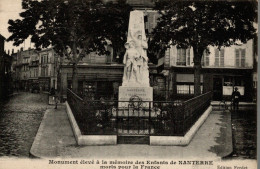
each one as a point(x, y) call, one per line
point(126, 93)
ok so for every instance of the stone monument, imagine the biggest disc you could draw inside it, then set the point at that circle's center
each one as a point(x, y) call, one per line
point(136, 74)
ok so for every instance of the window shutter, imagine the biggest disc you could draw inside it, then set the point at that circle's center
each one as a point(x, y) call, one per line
point(109, 58)
point(222, 57)
point(237, 57)
point(207, 61)
point(216, 57)
point(183, 60)
point(178, 56)
point(188, 56)
point(202, 59)
point(243, 57)
point(167, 57)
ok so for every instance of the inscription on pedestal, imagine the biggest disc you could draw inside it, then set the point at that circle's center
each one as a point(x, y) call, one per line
point(144, 93)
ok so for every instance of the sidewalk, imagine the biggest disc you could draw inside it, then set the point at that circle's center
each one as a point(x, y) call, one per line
point(55, 139)
point(241, 104)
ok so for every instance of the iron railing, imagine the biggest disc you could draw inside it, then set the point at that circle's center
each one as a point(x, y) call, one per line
point(168, 118)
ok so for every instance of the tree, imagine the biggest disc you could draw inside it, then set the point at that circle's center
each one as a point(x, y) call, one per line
point(114, 21)
point(73, 27)
point(199, 24)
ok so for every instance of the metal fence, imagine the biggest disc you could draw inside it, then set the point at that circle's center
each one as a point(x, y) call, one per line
point(168, 118)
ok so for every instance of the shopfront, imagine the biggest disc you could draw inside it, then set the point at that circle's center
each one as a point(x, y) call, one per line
point(224, 84)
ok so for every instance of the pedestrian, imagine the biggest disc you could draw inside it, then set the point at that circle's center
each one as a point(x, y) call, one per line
point(236, 97)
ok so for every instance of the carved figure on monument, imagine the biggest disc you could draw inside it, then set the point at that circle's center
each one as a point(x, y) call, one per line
point(136, 61)
point(130, 60)
point(142, 62)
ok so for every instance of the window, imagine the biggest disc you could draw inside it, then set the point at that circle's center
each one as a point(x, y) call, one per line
point(187, 89)
point(182, 54)
point(219, 57)
point(43, 72)
point(167, 57)
point(255, 84)
point(239, 81)
point(205, 58)
point(240, 57)
point(49, 58)
point(53, 82)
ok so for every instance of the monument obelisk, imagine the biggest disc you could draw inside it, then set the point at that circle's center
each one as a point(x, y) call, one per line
point(136, 73)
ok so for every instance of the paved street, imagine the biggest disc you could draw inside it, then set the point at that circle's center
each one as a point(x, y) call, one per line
point(20, 118)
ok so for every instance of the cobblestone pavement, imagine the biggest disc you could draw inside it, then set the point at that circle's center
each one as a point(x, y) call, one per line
point(20, 118)
point(244, 126)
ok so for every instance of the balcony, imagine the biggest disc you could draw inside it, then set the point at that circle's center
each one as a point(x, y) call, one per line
point(34, 64)
point(25, 63)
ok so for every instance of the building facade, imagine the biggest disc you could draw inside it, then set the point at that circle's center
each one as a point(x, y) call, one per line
point(33, 73)
point(5, 71)
point(32, 67)
point(47, 73)
point(222, 70)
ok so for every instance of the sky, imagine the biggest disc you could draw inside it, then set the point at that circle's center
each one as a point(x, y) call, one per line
point(10, 9)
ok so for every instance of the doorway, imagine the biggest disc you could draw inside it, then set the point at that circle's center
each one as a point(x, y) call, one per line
point(217, 88)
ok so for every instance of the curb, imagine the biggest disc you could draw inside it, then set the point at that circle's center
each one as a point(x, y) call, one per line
point(229, 155)
point(32, 153)
point(180, 141)
point(88, 139)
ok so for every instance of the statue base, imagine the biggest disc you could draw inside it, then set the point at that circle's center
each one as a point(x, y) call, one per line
point(135, 94)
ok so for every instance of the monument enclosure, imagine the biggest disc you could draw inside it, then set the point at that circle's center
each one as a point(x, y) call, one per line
point(135, 86)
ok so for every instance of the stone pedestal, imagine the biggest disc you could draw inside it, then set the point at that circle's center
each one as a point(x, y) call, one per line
point(135, 93)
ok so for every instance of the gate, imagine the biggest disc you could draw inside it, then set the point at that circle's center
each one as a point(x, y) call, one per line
point(133, 122)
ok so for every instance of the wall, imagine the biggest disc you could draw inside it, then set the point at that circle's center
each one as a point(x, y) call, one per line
point(230, 55)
